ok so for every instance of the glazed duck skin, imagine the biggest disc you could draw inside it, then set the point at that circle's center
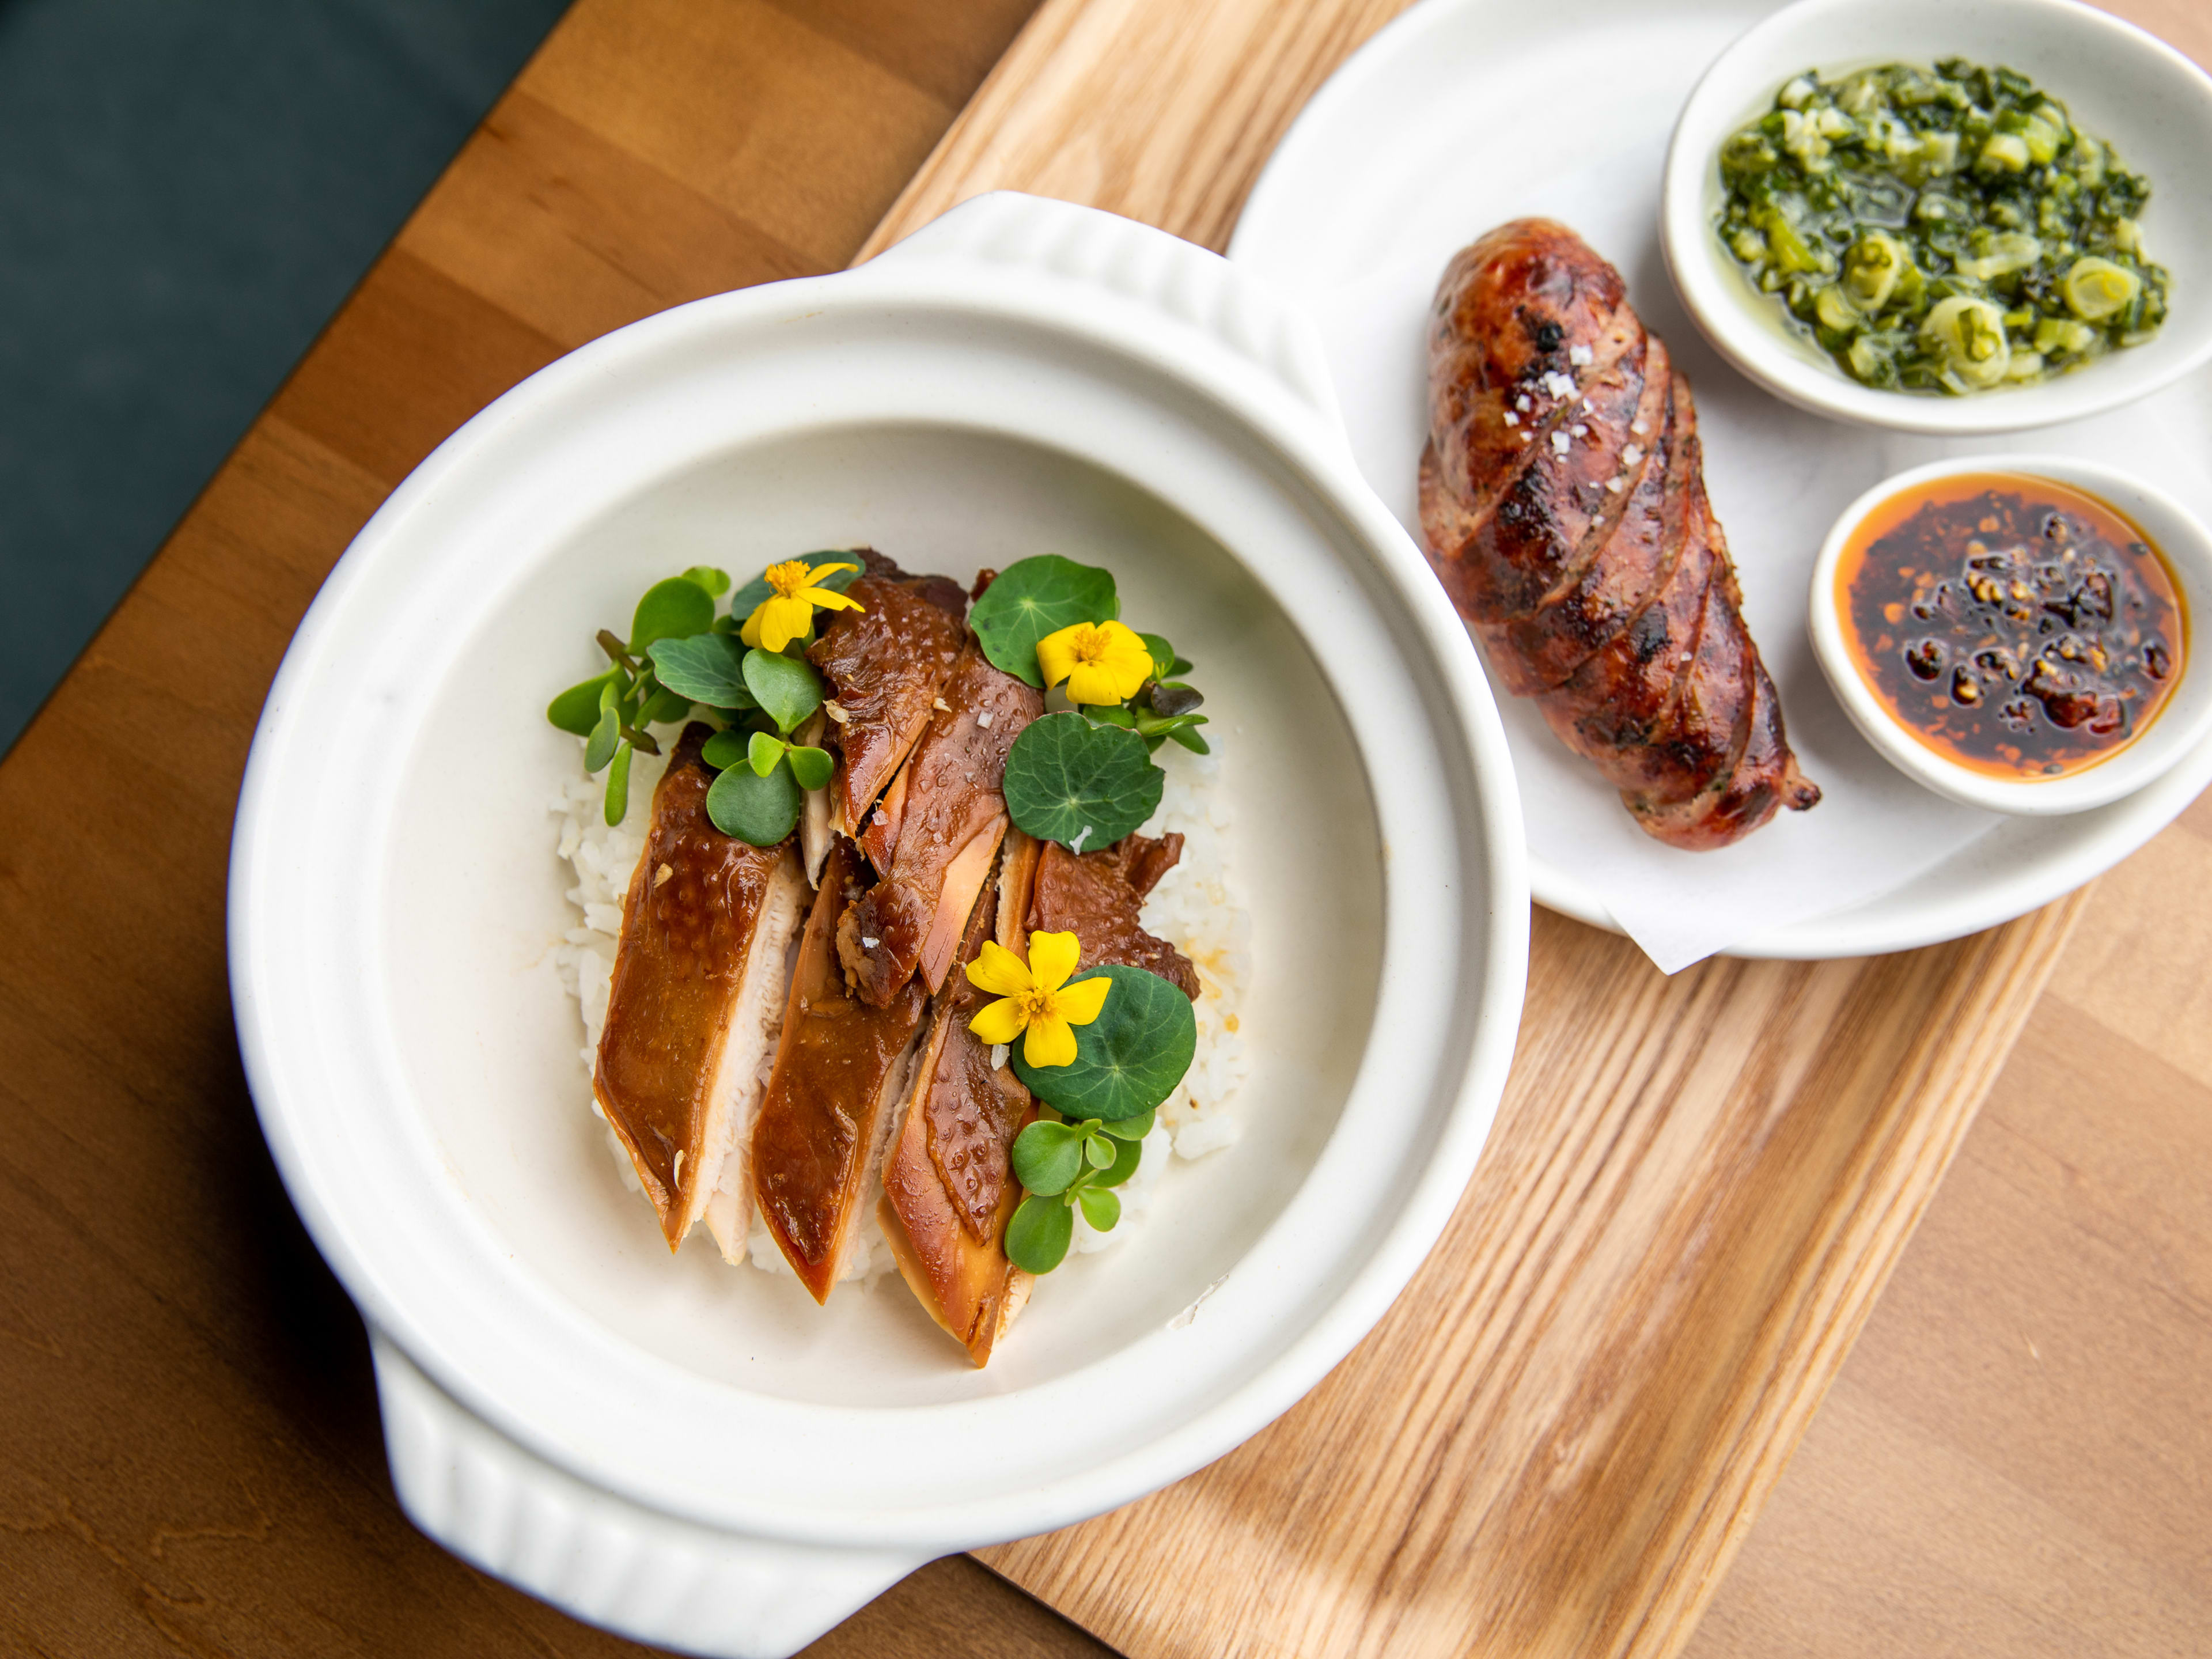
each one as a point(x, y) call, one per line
point(698, 970)
point(950, 817)
point(1563, 504)
point(884, 666)
point(949, 1187)
point(1096, 897)
point(840, 1064)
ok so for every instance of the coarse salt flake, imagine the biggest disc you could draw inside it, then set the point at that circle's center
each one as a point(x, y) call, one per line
point(1522, 404)
point(870, 944)
point(1577, 430)
point(1580, 355)
point(1631, 453)
point(998, 1052)
point(1559, 442)
point(1557, 384)
point(985, 718)
point(1511, 419)
point(1639, 426)
point(1614, 485)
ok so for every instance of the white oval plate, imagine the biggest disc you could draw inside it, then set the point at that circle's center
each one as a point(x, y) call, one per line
point(1463, 113)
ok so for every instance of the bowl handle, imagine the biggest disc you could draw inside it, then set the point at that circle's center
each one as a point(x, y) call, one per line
point(674, 1582)
point(1084, 256)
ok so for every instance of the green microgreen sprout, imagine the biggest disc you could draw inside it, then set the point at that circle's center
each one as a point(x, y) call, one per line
point(682, 658)
point(1066, 1165)
point(1100, 1106)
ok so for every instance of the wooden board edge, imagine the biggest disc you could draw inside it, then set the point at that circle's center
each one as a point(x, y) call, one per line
point(1996, 988)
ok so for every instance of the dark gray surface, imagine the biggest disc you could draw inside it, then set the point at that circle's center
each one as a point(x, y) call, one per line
point(188, 189)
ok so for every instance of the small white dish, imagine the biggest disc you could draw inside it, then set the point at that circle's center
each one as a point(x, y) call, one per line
point(2121, 84)
point(2179, 727)
point(696, 1454)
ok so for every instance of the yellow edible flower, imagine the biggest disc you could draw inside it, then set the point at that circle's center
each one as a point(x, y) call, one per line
point(1035, 1002)
point(787, 614)
point(1101, 662)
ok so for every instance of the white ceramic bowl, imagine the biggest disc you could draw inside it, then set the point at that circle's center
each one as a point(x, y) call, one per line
point(696, 1455)
point(2123, 85)
point(2182, 725)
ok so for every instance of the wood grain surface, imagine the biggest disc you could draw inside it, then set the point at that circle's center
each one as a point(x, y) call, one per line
point(1696, 1188)
point(1555, 1441)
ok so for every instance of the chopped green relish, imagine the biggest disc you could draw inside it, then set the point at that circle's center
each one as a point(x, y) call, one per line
point(1942, 230)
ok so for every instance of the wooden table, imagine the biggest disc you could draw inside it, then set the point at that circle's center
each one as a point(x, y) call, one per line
point(2014, 1461)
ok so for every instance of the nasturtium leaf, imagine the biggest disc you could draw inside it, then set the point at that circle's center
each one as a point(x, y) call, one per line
point(1101, 1209)
point(754, 809)
point(763, 752)
point(672, 610)
point(1164, 655)
point(1047, 1157)
point(1082, 785)
point(618, 805)
point(576, 710)
point(725, 749)
point(748, 598)
point(606, 737)
point(1127, 1156)
point(787, 687)
point(709, 668)
point(1098, 1151)
point(1032, 598)
point(1130, 1128)
point(811, 767)
point(1038, 1236)
point(1129, 1058)
point(715, 581)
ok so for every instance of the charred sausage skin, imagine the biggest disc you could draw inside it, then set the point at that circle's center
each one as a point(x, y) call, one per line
point(1564, 506)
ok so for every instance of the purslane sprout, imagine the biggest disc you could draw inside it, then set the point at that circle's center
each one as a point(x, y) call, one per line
point(675, 609)
point(761, 810)
point(1065, 1165)
point(682, 657)
point(709, 668)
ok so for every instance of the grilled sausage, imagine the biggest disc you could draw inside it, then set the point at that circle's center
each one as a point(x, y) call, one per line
point(1563, 505)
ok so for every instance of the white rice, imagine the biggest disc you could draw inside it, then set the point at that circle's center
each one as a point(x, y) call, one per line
point(1196, 908)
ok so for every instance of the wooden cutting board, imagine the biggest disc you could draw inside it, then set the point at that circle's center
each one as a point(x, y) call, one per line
point(1695, 1188)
